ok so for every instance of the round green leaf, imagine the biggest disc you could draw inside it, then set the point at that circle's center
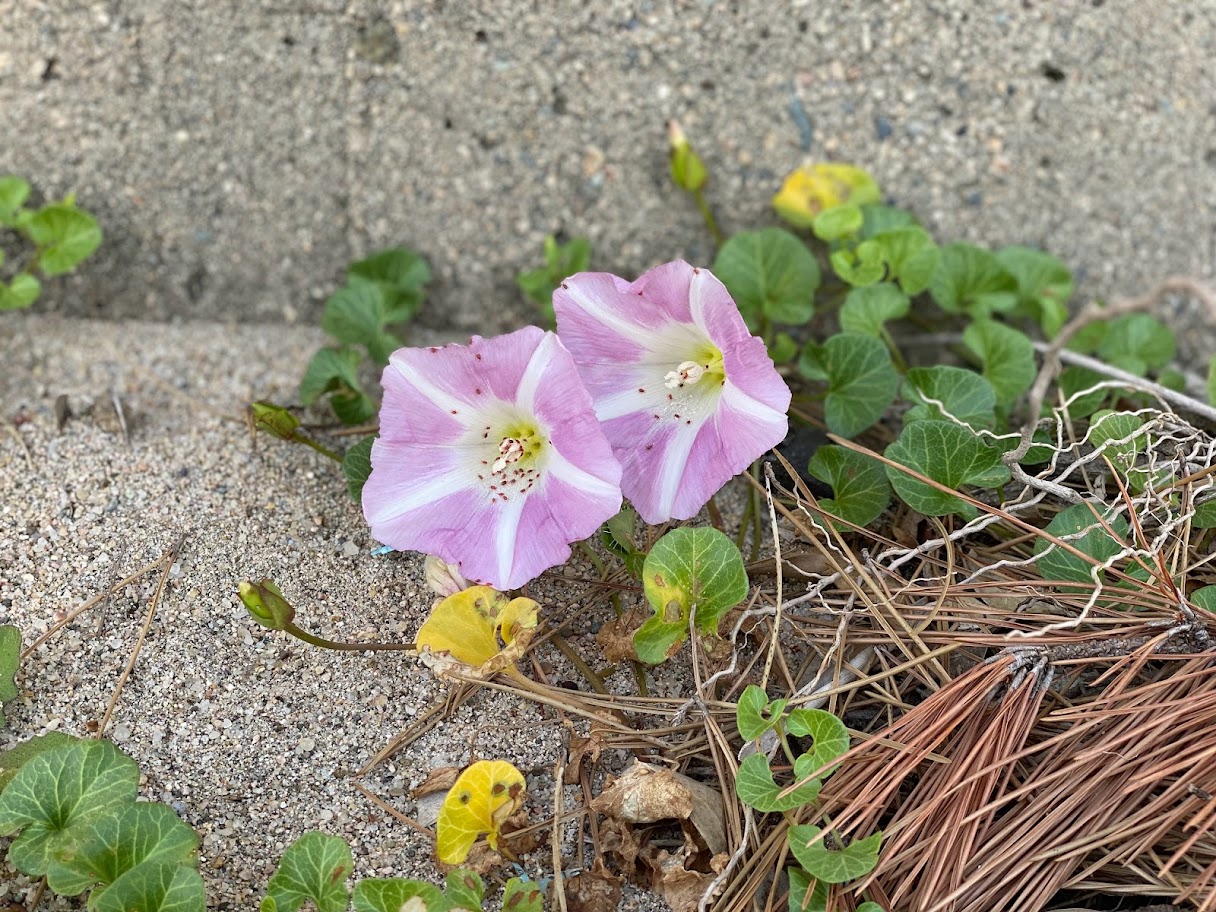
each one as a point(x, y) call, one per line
point(861, 382)
point(357, 314)
point(1205, 516)
point(1044, 285)
point(314, 867)
point(391, 894)
point(53, 797)
point(16, 757)
point(522, 895)
point(465, 889)
point(862, 265)
point(858, 482)
point(770, 274)
point(879, 219)
point(964, 394)
point(691, 568)
point(1073, 380)
point(802, 883)
point(154, 887)
point(114, 843)
point(20, 293)
point(950, 455)
point(13, 193)
point(911, 257)
point(1007, 356)
point(865, 310)
point(1080, 527)
point(1138, 343)
point(855, 860)
point(972, 280)
point(65, 235)
point(837, 222)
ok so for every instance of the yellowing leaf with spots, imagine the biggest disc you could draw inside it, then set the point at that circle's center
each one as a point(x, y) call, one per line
point(484, 796)
point(812, 189)
point(480, 628)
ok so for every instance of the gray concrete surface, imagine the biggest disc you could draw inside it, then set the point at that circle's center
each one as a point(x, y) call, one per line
point(240, 153)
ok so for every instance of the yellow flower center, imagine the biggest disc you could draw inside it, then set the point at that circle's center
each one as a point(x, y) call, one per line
point(705, 365)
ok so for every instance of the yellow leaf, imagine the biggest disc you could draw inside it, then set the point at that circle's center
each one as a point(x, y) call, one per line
point(811, 189)
point(485, 795)
point(480, 627)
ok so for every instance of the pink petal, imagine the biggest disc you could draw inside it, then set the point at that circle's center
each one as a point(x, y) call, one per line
point(430, 488)
point(676, 448)
point(459, 377)
point(744, 356)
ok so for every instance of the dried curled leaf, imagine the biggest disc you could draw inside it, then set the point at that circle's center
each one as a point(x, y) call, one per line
point(480, 628)
point(484, 796)
point(646, 794)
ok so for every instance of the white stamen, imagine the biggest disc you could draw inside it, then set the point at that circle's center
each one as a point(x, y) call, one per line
point(686, 372)
point(510, 450)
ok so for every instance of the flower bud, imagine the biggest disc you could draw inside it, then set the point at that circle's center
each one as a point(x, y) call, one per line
point(274, 420)
point(266, 604)
point(687, 169)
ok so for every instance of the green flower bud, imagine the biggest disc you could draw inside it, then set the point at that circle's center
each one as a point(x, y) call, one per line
point(266, 604)
point(687, 169)
point(274, 420)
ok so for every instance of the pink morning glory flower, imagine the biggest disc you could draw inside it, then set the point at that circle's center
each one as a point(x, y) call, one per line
point(490, 457)
point(687, 397)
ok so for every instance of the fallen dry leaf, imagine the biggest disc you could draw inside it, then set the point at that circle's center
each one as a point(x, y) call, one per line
point(582, 750)
point(647, 794)
point(592, 891)
point(681, 888)
point(615, 638)
point(440, 779)
point(621, 839)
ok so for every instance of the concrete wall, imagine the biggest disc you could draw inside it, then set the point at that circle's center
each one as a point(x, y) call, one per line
point(240, 152)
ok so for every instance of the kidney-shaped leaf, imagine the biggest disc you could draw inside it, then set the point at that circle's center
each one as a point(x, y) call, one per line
point(482, 798)
point(314, 867)
point(866, 309)
point(693, 567)
point(65, 235)
point(963, 394)
point(398, 895)
point(949, 454)
point(522, 895)
point(155, 887)
point(1007, 356)
point(858, 482)
point(465, 889)
point(770, 274)
point(1044, 285)
point(55, 795)
point(972, 280)
point(861, 381)
point(113, 844)
point(833, 865)
point(1058, 564)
